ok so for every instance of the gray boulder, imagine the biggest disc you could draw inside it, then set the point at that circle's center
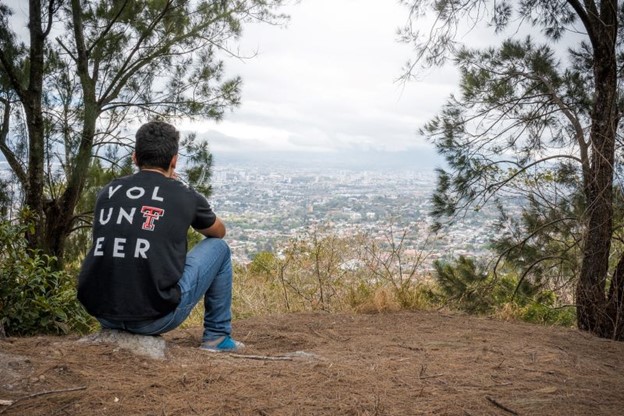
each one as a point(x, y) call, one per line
point(144, 345)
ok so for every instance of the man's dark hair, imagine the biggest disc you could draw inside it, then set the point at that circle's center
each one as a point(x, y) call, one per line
point(156, 144)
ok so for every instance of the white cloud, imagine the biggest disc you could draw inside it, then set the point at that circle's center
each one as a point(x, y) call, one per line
point(327, 82)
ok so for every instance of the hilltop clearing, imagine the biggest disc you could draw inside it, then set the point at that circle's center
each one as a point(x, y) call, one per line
point(421, 363)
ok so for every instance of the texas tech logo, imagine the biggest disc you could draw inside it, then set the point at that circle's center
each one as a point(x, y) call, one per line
point(151, 214)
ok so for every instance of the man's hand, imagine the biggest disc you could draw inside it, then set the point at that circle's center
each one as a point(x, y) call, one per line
point(216, 230)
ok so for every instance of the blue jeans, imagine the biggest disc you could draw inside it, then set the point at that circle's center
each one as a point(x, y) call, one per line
point(208, 274)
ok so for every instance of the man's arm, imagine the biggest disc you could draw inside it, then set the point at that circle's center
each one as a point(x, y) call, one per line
point(216, 230)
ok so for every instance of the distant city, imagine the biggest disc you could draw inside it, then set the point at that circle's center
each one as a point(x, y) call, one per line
point(268, 201)
point(264, 206)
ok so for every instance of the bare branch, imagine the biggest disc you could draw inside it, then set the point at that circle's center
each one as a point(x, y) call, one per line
point(11, 72)
point(527, 238)
point(108, 28)
point(14, 162)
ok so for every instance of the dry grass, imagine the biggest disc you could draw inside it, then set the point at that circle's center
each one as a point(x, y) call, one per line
point(381, 300)
point(261, 295)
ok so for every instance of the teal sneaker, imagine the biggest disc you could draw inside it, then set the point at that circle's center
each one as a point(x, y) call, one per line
point(223, 344)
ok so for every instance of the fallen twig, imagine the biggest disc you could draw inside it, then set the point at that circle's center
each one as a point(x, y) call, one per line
point(62, 409)
point(432, 376)
point(8, 403)
point(423, 370)
point(508, 383)
point(333, 337)
point(193, 409)
point(409, 347)
point(500, 406)
point(538, 371)
point(262, 357)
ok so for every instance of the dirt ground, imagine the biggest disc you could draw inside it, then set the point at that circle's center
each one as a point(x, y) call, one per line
point(423, 363)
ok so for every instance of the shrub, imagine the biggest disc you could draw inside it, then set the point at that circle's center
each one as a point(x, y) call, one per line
point(463, 284)
point(466, 286)
point(34, 296)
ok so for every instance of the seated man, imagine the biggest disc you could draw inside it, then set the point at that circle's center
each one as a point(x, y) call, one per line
point(138, 276)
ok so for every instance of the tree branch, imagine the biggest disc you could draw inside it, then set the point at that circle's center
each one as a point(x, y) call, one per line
point(525, 240)
point(108, 27)
point(582, 14)
point(129, 68)
point(11, 158)
point(66, 49)
point(120, 80)
point(43, 393)
point(51, 11)
point(578, 129)
point(528, 270)
point(10, 71)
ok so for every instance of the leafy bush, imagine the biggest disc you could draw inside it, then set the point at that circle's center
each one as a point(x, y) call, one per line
point(466, 286)
point(546, 314)
point(34, 297)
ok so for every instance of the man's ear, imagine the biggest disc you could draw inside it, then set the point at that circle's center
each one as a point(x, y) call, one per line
point(174, 162)
point(134, 159)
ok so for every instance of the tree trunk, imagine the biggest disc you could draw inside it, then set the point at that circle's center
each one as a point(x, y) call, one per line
point(61, 212)
point(34, 198)
point(590, 295)
point(614, 325)
point(57, 229)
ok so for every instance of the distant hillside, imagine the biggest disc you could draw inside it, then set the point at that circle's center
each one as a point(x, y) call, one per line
point(425, 159)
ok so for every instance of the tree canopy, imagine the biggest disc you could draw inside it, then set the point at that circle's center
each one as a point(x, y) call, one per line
point(89, 70)
point(544, 127)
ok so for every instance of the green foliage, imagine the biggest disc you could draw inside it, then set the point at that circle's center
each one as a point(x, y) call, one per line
point(198, 164)
point(326, 272)
point(257, 294)
point(360, 282)
point(6, 198)
point(416, 297)
point(263, 263)
point(540, 126)
point(192, 238)
point(462, 284)
point(360, 294)
point(544, 314)
point(467, 286)
point(102, 67)
point(34, 297)
point(493, 145)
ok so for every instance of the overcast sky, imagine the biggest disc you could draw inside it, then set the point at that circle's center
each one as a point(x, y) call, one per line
point(327, 82)
point(324, 84)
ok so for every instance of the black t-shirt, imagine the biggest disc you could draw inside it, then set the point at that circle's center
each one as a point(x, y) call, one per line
point(139, 246)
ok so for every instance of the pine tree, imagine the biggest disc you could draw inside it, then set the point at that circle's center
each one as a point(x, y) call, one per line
point(91, 68)
point(529, 124)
